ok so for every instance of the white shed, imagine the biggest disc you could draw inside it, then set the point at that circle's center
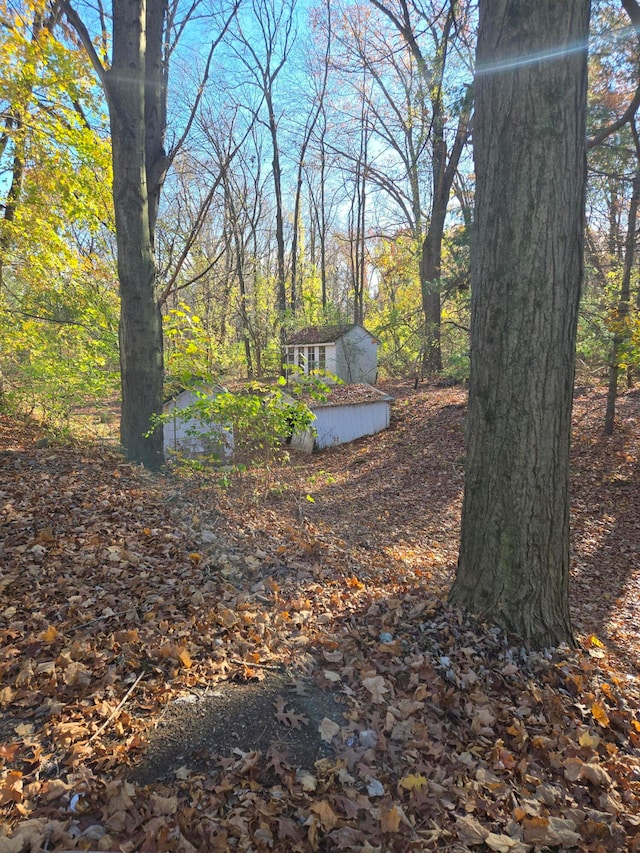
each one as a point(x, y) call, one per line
point(349, 412)
point(193, 436)
point(350, 352)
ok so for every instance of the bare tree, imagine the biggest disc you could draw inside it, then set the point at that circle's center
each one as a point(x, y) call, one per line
point(264, 57)
point(444, 24)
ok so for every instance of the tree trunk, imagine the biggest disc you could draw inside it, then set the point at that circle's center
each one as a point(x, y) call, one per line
point(621, 333)
point(529, 137)
point(430, 271)
point(141, 362)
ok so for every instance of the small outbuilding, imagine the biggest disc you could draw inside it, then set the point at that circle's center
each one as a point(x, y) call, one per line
point(350, 352)
point(192, 436)
point(349, 412)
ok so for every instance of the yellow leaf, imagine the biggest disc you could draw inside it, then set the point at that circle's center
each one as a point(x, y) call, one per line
point(600, 714)
point(195, 557)
point(412, 781)
point(596, 642)
point(185, 658)
point(50, 635)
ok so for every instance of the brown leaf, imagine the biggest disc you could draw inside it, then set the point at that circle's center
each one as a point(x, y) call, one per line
point(470, 830)
point(328, 730)
point(184, 657)
point(289, 718)
point(11, 790)
point(376, 685)
point(326, 815)
point(390, 819)
point(549, 831)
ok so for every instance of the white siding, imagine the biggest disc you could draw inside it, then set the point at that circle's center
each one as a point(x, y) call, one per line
point(344, 423)
point(357, 356)
point(186, 437)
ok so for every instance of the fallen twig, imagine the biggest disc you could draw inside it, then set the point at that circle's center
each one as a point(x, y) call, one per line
point(118, 708)
point(274, 667)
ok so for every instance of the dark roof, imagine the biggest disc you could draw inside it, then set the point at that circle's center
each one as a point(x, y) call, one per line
point(322, 334)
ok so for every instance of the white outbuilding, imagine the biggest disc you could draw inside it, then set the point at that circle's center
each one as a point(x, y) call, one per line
point(350, 352)
point(194, 436)
point(348, 413)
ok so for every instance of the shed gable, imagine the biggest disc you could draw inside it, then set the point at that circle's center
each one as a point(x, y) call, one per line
point(348, 351)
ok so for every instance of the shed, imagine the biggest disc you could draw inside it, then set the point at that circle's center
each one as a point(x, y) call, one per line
point(192, 436)
point(349, 412)
point(348, 351)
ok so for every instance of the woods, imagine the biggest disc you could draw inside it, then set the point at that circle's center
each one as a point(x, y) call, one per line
point(355, 204)
point(425, 635)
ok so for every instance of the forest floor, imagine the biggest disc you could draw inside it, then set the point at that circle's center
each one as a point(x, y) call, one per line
point(266, 662)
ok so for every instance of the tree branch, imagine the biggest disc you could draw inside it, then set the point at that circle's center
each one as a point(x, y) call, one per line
point(632, 8)
point(172, 154)
point(83, 34)
point(625, 118)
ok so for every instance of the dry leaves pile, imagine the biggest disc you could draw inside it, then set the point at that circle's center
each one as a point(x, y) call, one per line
point(123, 592)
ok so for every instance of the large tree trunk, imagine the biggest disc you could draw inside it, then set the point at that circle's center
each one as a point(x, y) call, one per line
point(141, 362)
point(529, 140)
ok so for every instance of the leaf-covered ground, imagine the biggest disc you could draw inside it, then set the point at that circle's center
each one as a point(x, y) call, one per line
point(270, 665)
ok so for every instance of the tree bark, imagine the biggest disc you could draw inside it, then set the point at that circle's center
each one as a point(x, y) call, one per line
point(526, 267)
point(141, 360)
point(621, 332)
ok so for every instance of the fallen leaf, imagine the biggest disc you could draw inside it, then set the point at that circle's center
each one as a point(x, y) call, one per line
point(549, 831)
point(505, 844)
point(307, 780)
point(50, 635)
point(588, 740)
point(185, 658)
point(11, 788)
point(377, 687)
point(600, 714)
point(412, 782)
point(390, 819)
point(328, 729)
point(287, 717)
point(326, 815)
point(470, 830)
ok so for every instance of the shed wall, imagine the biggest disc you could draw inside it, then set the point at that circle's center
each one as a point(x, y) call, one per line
point(341, 424)
point(357, 356)
point(187, 438)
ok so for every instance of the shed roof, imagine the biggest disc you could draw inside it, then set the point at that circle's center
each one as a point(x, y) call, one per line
point(323, 334)
point(351, 395)
point(203, 387)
